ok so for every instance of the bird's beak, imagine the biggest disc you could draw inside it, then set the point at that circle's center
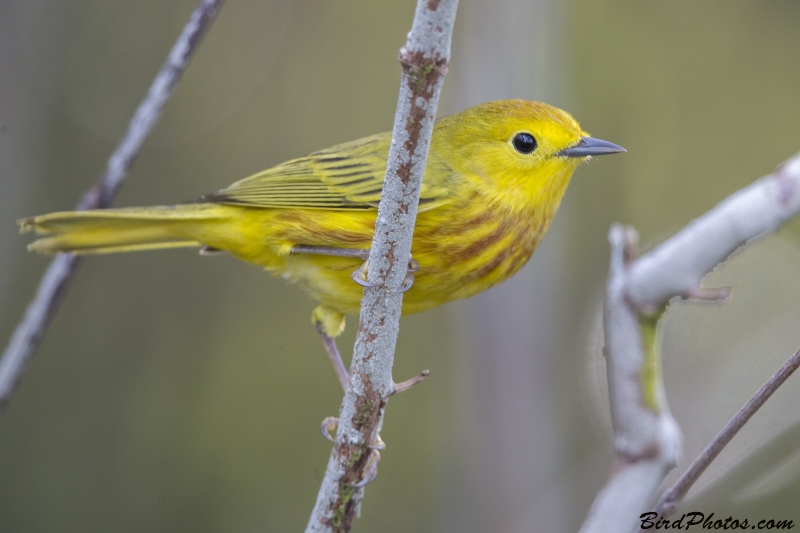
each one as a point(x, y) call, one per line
point(591, 146)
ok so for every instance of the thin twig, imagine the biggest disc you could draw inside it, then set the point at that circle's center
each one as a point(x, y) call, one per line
point(354, 457)
point(31, 329)
point(669, 501)
point(407, 384)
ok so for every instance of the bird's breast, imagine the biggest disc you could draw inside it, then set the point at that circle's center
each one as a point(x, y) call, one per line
point(470, 247)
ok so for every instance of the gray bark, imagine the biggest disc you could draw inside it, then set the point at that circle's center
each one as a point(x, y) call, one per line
point(647, 439)
point(424, 59)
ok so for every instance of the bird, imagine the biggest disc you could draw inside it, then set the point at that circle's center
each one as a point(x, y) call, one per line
point(494, 179)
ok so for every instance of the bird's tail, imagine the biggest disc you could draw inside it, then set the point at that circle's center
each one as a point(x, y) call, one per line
point(121, 230)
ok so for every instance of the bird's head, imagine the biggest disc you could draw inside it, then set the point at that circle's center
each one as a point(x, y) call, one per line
point(519, 147)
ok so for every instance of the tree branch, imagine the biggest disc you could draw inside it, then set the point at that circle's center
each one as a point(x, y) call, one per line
point(424, 59)
point(29, 332)
point(646, 437)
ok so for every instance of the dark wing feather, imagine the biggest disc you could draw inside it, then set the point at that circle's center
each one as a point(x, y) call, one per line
point(347, 176)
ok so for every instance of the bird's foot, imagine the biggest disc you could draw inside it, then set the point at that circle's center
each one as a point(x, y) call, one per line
point(371, 468)
point(329, 424)
point(408, 281)
point(360, 275)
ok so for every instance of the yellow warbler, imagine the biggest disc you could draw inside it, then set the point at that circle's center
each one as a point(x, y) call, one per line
point(494, 179)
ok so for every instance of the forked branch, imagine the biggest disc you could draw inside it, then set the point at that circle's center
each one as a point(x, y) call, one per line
point(646, 437)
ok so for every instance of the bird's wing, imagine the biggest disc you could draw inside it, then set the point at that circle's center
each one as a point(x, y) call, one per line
point(347, 176)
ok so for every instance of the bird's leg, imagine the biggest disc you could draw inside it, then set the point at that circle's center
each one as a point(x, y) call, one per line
point(360, 275)
point(358, 253)
point(336, 358)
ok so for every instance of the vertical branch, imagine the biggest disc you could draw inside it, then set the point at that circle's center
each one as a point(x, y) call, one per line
point(29, 332)
point(424, 59)
point(646, 437)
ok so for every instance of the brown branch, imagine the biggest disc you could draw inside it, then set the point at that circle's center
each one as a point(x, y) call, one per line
point(29, 332)
point(669, 501)
point(353, 460)
point(407, 384)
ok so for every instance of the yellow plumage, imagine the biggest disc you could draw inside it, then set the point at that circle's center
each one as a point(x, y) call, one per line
point(484, 207)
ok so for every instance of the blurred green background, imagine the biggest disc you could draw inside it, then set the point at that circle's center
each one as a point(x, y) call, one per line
point(180, 393)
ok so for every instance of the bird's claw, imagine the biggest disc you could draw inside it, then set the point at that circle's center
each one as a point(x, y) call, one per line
point(378, 444)
point(371, 469)
point(329, 424)
point(360, 275)
point(408, 281)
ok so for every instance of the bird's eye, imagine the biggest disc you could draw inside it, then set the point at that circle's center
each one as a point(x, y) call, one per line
point(524, 143)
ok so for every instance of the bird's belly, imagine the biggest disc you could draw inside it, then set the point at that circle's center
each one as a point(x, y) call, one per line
point(458, 258)
point(466, 264)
